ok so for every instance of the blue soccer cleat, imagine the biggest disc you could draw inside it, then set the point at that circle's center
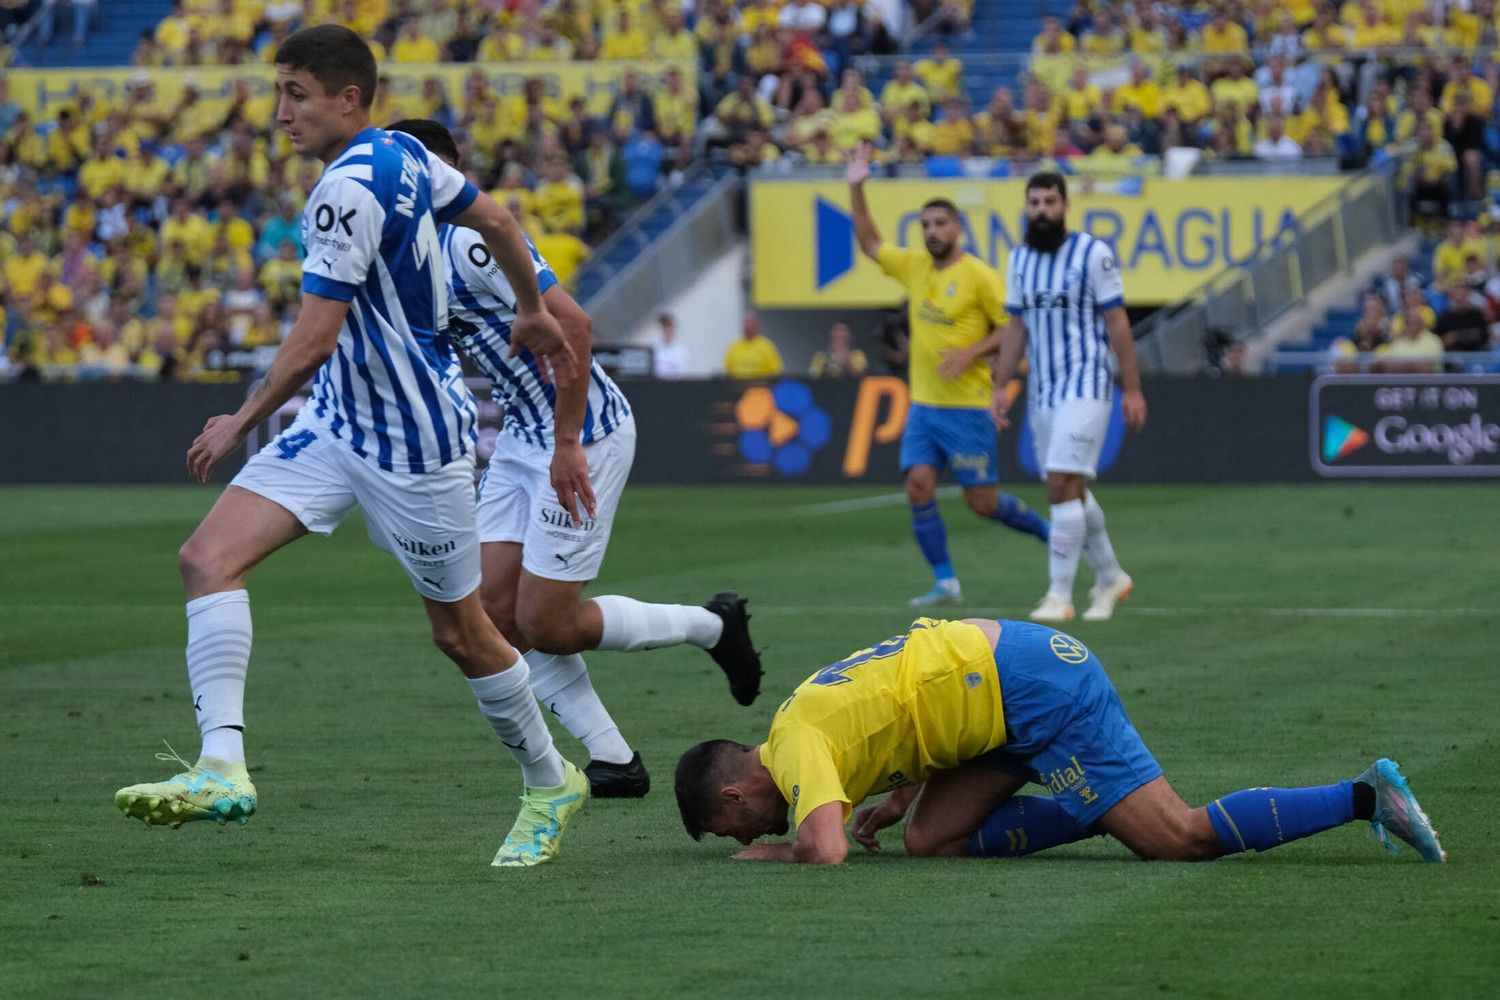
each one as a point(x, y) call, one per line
point(1397, 812)
point(942, 592)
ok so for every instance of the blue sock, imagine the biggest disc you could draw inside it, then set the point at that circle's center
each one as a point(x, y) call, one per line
point(1013, 513)
point(932, 539)
point(1024, 825)
point(1258, 819)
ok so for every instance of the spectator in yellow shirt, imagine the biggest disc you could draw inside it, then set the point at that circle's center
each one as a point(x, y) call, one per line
point(753, 356)
point(853, 122)
point(1371, 31)
point(23, 269)
point(1144, 30)
point(1053, 41)
point(566, 253)
point(188, 230)
point(1104, 38)
point(1116, 152)
point(841, 359)
point(172, 31)
point(104, 170)
point(411, 46)
point(1449, 256)
point(1432, 167)
point(1236, 89)
point(1461, 80)
point(626, 41)
point(1221, 35)
point(675, 40)
point(558, 202)
point(502, 44)
point(953, 133)
point(281, 276)
point(1082, 98)
point(1325, 33)
point(743, 110)
point(1141, 92)
point(822, 151)
point(942, 74)
point(901, 91)
point(676, 109)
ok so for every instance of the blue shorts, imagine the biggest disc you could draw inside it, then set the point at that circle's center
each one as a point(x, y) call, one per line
point(1065, 726)
point(959, 438)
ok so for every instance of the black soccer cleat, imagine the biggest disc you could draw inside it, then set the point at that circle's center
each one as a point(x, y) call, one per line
point(735, 653)
point(618, 781)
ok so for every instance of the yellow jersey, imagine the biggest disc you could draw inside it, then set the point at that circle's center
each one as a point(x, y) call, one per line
point(951, 308)
point(887, 716)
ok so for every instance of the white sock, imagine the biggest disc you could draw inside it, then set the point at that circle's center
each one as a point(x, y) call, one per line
point(561, 683)
point(218, 654)
point(1065, 546)
point(1096, 545)
point(630, 624)
point(506, 701)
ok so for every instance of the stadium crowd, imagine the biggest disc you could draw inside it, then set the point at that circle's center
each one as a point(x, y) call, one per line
point(164, 234)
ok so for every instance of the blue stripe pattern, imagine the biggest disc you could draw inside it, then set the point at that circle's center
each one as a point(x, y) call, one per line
point(393, 388)
point(1067, 348)
point(481, 306)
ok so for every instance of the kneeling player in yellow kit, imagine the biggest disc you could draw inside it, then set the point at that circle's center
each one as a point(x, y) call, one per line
point(958, 716)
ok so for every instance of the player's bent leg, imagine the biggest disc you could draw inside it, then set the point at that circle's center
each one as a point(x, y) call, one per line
point(557, 624)
point(500, 564)
point(1157, 825)
point(932, 537)
point(988, 502)
point(952, 806)
point(721, 627)
point(500, 679)
point(240, 531)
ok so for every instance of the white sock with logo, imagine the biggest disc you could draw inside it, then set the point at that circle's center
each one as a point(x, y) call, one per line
point(507, 702)
point(561, 683)
point(218, 655)
point(1069, 527)
point(1096, 545)
point(630, 625)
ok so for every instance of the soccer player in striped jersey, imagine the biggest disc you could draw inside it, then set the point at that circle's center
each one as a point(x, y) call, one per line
point(1067, 313)
point(390, 429)
point(547, 504)
point(954, 301)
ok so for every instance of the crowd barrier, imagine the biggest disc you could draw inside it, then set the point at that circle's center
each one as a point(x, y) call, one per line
point(1284, 429)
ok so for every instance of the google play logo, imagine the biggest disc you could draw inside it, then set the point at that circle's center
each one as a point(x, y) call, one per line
point(1341, 439)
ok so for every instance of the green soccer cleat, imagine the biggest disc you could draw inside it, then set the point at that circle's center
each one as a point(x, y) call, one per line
point(1397, 812)
point(209, 789)
point(537, 834)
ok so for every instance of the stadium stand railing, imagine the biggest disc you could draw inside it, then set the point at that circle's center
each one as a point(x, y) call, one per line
point(1243, 301)
point(644, 264)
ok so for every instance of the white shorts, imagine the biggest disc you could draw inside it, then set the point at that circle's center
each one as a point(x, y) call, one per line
point(517, 504)
point(425, 520)
point(1070, 436)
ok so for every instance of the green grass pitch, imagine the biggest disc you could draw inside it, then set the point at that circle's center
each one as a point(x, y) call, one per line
point(1278, 635)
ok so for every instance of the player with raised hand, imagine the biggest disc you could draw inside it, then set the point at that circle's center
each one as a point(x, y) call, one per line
point(1067, 314)
point(955, 299)
point(390, 428)
point(958, 716)
point(547, 504)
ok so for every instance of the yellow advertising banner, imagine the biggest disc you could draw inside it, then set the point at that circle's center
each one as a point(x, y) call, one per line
point(1170, 238)
point(43, 92)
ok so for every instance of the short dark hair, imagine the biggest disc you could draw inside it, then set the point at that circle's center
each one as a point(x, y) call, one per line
point(434, 135)
point(335, 56)
point(701, 773)
point(1049, 180)
point(942, 203)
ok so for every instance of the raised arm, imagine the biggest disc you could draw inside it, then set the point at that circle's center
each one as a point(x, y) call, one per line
point(857, 172)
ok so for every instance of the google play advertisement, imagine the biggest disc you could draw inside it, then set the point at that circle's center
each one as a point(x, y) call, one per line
point(1405, 426)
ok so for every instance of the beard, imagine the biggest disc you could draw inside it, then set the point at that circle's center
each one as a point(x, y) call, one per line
point(1044, 234)
point(939, 250)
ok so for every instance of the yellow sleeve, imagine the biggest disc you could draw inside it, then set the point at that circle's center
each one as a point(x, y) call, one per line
point(803, 769)
point(992, 296)
point(895, 261)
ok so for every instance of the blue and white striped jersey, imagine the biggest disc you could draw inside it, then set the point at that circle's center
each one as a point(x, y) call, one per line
point(481, 308)
point(393, 389)
point(1062, 297)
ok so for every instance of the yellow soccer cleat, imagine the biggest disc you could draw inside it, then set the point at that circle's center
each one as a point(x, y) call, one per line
point(209, 789)
point(545, 813)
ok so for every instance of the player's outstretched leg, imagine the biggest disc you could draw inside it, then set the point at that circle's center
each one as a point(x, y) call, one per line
point(241, 530)
point(1111, 583)
point(721, 626)
point(932, 538)
point(1013, 512)
point(561, 682)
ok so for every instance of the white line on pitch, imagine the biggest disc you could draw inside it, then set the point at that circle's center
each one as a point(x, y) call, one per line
point(865, 503)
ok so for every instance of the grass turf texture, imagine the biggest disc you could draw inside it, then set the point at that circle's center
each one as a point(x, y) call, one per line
point(1256, 650)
